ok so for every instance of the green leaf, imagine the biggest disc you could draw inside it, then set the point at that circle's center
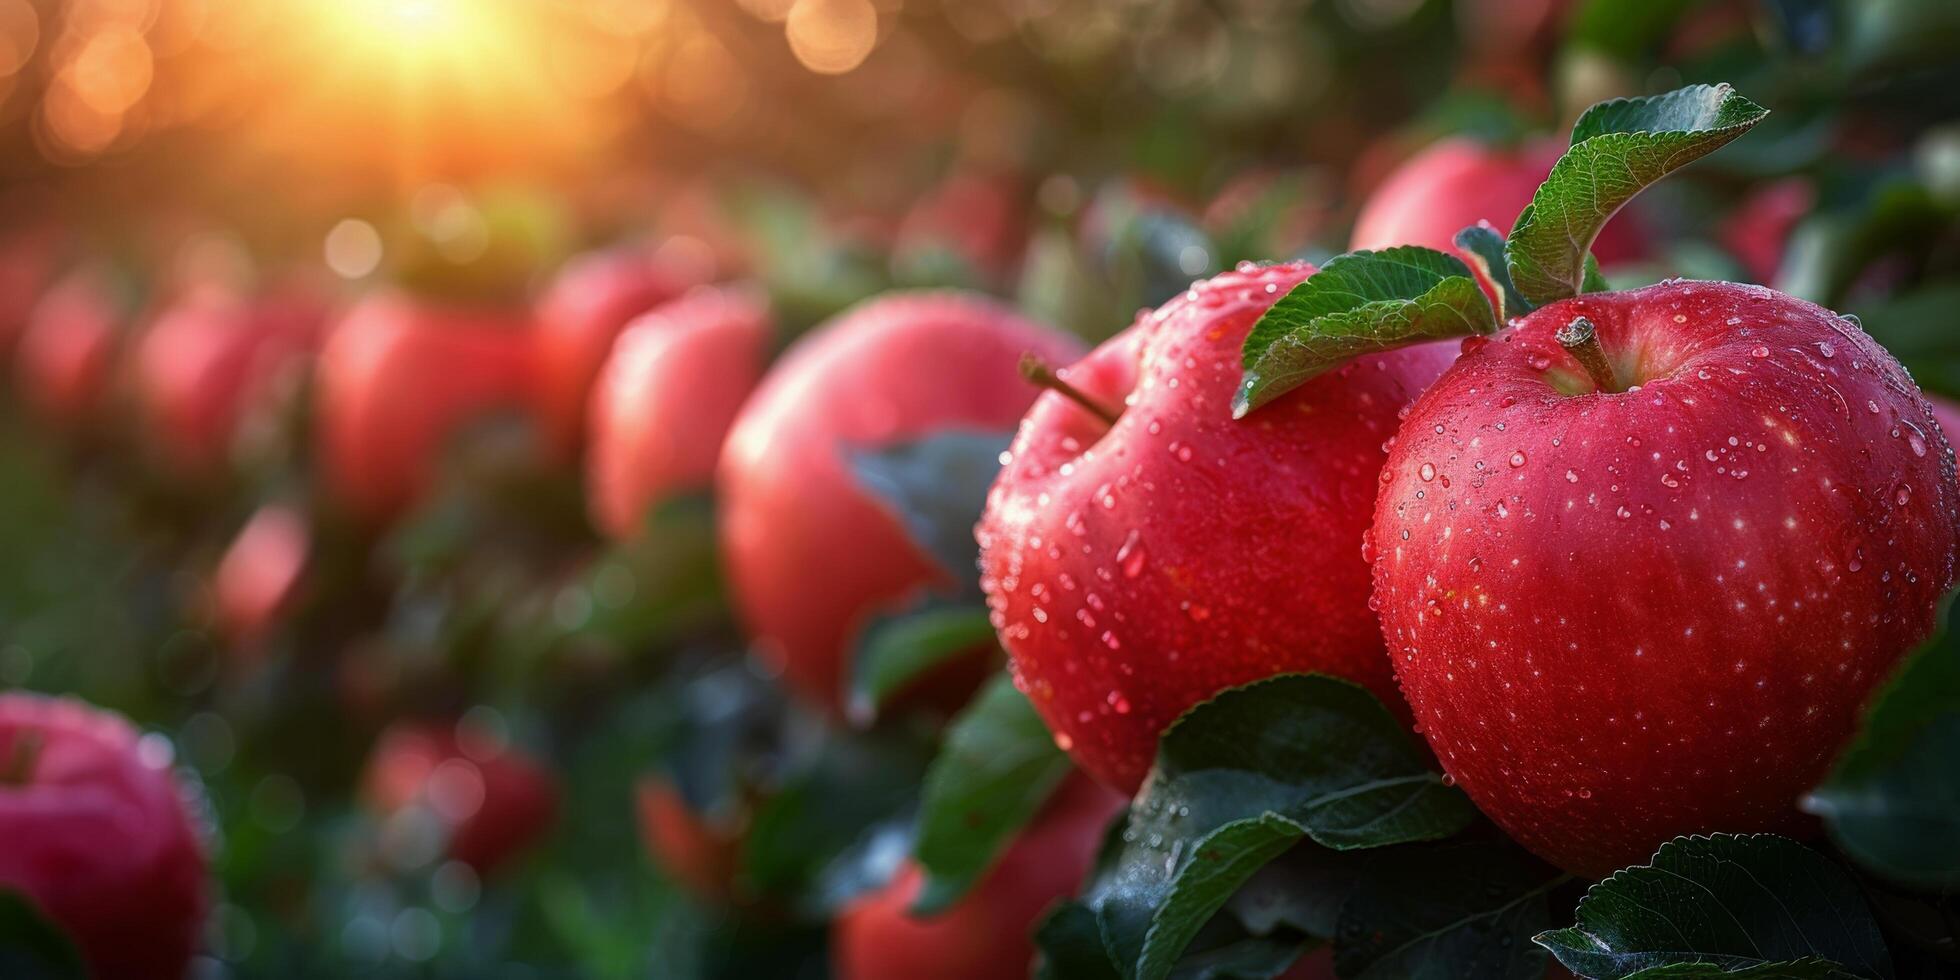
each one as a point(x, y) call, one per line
point(1238, 780)
point(1071, 945)
point(937, 487)
point(1619, 147)
point(1359, 303)
point(896, 651)
point(1459, 911)
point(1483, 248)
point(1893, 801)
point(998, 766)
point(1733, 902)
point(1811, 969)
point(31, 946)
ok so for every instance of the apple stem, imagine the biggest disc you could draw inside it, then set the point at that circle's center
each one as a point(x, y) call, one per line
point(1581, 339)
point(19, 765)
point(1037, 370)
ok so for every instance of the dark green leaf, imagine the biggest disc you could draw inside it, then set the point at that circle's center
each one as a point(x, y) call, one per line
point(1893, 802)
point(1071, 945)
point(1734, 902)
point(1483, 248)
point(1619, 147)
point(937, 487)
point(1788, 970)
point(31, 947)
point(1239, 779)
point(897, 650)
point(1460, 911)
point(998, 766)
point(1359, 303)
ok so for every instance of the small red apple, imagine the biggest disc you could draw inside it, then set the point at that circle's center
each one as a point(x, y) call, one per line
point(1653, 604)
point(811, 553)
point(494, 801)
point(665, 399)
point(1137, 568)
point(589, 302)
point(67, 348)
point(1457, 182)
point(398, 377)
point(98, 837)
point(28, 259)
point(987, 933)
point(1758, 231)
point(976, 216)
point(207, 361)
point(259, 576)
point(689, 846)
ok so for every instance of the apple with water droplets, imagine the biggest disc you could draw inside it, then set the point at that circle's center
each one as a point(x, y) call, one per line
point(1142, 551)
point(1641, 559)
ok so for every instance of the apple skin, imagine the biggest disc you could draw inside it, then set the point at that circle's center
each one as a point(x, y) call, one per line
point(810, 554)
point(1457, 182)
point(206, 361)
point(987, 934)
point(261, 572)
point(99, 839)
point(398, 377)
point(67, 350)
point(1947, 413)
point(1622, 617)
point(1135, 571)
point(665, 400)
point(495, 801)
point(582, 312)
point(687, 844)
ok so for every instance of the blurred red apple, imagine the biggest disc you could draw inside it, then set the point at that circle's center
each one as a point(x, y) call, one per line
point(977, 217)
point(68, 347)
point(97, 836)
point(398, 378)
point(209, 361)
point(1758, 230)
point(987, 933)
point(666, 398)
point(1457, 182)
point(1632, 607)
point(260, 574)
point(810, 553)
point(493, 801)
point(28, 259)
point(1137, 567)
point(589, 302)
point(690, 846)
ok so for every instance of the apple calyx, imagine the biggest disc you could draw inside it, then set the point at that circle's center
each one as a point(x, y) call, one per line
point(1037, 371)
point(18, 769)
point(1581, 339)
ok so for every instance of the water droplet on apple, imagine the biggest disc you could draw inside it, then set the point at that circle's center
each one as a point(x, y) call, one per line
point(1537, 362)
point(1063, 742)
point(1571, 476)
point(1130, 555)
point(1759, 351)
point(1517, 459)
point(1427, 472)
point(1902, 495)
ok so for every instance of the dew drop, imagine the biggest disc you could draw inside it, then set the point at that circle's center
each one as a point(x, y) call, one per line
point(1517, 459)
point(1427, 472)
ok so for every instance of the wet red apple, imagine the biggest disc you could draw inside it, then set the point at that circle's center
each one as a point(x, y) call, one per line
point(492, 801)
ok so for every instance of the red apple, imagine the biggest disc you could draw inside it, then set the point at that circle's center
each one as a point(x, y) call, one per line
point(589, 302)
point(987, 933)
point(1626, 615)
point(68, 348)
point(976, 216)
point(810, 553)
point(689, 846)
point(98, 837)
point(1757, 232)
point(493, 801)
point(398, 378)
point(665, 399)
point(260, 574)
point(1136, 569)
point(28, 258)
point(208, 361)
point(1458, 182)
